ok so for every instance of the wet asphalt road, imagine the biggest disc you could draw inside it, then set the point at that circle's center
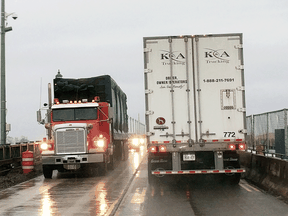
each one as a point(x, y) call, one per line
point(197, 195)
point(125, 191)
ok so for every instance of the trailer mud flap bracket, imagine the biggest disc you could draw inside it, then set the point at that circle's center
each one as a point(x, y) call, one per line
point(176, 161)
point(218, 156)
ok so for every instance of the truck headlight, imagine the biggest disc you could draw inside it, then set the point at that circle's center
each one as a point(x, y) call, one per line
point(142, 141)
point(44, 146)
point(100, 143)
point(135, 141)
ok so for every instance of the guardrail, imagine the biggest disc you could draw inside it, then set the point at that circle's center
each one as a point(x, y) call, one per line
point(269, 153)
point(11, 155)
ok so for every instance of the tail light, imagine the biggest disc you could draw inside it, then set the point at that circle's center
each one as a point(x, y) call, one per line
point(56, 100)
point(153, 149)
point(232, 147)
point(162, 148)
point(242, 146)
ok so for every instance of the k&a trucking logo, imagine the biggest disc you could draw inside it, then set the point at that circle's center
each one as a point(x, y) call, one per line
point(216, 56)
point(177, 58)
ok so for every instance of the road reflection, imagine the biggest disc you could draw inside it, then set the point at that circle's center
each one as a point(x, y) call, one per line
point(46, 204)
point(101, 200)
point(136, 158)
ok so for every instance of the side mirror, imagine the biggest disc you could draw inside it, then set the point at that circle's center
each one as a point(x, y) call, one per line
point(39, 118)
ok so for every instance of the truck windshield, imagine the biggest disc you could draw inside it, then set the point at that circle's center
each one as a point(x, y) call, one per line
point(74, 114)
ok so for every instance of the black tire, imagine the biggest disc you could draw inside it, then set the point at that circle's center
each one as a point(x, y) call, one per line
point(126, 148)
point(102, 169)
point(233, 179)
point(90, 170)
point(111, 165)
point(47, 172)
point(151, 177)
point(124, 152)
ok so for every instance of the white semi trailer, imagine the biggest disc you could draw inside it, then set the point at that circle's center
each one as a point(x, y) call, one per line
point(195, 105)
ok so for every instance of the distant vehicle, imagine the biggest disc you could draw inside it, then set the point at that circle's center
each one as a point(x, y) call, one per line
point(137, 142)
point(195, 105)
point(87, 125)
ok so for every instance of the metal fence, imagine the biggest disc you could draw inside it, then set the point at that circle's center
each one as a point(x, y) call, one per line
point(135, 126)
point(267, 132)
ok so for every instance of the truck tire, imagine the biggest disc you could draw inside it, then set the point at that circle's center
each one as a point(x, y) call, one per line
point(111, 165)
point(151, 178)
point(125, 152)
point(234, 179)
point(126, 148)
point(47, 172)
point(102, 169)
point(90, 170)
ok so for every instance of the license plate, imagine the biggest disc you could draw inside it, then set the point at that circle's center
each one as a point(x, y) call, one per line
point(71, 166)
point(189, 157)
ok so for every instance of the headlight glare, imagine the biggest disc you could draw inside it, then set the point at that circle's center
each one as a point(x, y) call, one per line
point(44, 146)
point(135, 141)
point(100, 143)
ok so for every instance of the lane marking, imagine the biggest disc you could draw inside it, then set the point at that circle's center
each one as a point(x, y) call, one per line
point(114, 207)
point(255, 189)
point(247, 189)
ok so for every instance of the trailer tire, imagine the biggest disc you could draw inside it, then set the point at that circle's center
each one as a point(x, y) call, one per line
point(234, 179)
point(102, 169)
point(151, 178)
point(47, 172)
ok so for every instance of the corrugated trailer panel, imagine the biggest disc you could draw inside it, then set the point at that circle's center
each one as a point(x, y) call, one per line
point(170, 89)
point(221, 107)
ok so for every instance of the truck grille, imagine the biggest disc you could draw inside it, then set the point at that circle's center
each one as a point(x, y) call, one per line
point(70, 141)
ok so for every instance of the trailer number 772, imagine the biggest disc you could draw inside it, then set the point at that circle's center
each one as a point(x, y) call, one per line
point(229, 134)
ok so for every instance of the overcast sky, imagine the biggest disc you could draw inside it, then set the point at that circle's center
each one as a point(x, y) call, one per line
point(86, 38)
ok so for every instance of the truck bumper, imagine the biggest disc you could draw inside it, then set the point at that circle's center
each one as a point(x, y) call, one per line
point(72, 159)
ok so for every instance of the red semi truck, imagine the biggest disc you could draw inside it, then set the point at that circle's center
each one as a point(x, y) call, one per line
point(87, 126)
